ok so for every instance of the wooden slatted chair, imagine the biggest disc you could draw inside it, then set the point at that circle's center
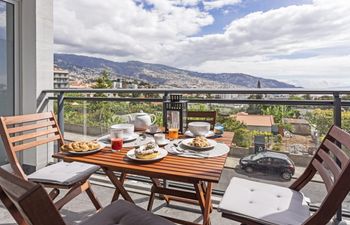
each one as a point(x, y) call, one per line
point(202, 116)
point(254, 203)
point(25, 132)
point(30, 204)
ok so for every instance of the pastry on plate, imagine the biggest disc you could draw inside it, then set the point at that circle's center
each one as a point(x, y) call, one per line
point(148, 151)
point(80, 146)
point(200, 142)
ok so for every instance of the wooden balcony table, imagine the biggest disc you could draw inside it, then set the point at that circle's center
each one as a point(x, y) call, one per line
point(200, 172)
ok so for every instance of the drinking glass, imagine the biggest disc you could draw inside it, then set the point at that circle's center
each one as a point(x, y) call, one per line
point(173, 133)
point(117, 144)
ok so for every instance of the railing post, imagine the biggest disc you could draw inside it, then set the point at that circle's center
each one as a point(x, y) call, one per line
point(60, 111)
point(165, 97)
point(337, 122)
point(337, 109)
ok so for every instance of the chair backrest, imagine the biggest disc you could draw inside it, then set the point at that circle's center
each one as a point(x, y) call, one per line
point(28, 200)
point(202, 116)
point(25, 132)
point(333, 165)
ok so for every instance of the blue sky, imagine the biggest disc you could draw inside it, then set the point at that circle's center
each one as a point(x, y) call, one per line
point(304, 42)
point(225, 15)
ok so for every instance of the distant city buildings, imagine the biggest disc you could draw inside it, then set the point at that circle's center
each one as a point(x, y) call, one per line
point(226, 96)
point(133, 86)
point(60, 78)
point(277, 96)
point(79, 84)
point(117, 84)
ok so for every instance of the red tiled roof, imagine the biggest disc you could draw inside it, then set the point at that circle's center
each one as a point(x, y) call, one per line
point(255, 120)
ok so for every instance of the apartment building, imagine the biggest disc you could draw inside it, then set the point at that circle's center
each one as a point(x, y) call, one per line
point(60, 78)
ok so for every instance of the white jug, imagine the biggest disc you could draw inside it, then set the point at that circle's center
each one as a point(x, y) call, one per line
point(141, 120)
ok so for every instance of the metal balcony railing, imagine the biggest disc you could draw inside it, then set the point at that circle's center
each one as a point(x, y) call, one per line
point(335, 102)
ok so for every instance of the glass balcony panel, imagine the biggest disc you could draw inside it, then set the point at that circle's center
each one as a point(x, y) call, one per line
point(297, 132)
point(7, 75)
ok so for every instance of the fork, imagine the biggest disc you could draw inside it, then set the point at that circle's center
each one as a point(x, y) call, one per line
point(188, 152)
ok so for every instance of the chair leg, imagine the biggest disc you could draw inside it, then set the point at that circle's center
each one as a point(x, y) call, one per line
point(151, 201)
point(75, 191)
point(72, 193)
point(11, 208)
point(117, 192)
point(93, 198)
point(54, 193)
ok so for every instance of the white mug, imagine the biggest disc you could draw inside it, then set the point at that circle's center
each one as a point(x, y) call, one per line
point(153, 128)
point(128, 129)
point(159, 138)
point(116, 133)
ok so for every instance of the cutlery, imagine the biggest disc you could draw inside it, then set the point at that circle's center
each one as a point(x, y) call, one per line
point(177, 144)
point(188, 152)
point(141, 138)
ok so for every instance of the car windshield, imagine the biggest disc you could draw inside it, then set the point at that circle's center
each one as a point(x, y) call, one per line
point(257, 156)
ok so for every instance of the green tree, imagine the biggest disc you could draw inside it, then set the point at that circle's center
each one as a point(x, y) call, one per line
point(325, 97)
point(322, 119)
point(255, 108)
point(243, 138)
point(277, 147)
point(231, 124)
point(279, 138)
point(101, 112)
point(198, 107)
point(307, 97)
point(103, 81)
point(280, 111)
point(295, 97)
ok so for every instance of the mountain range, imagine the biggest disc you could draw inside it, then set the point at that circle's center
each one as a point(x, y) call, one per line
point(162, 75)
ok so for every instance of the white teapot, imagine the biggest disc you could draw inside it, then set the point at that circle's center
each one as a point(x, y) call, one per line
point(141, 120)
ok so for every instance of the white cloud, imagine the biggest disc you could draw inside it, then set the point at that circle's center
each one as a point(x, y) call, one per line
point(166, 33)
point(316, 67)
point(123, 29)
point(214, 4)
point(186, 2)
point(313, 72)
point(283, 31)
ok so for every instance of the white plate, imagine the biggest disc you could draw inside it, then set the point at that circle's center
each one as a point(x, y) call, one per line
point(149, 132)
point(208, 135)
point(187, 142)
point(162, 153)
point(132, 137)
point(102, 145)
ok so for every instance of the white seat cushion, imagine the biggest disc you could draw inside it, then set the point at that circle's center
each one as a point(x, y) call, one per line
point(265, 202)
point(63, 173)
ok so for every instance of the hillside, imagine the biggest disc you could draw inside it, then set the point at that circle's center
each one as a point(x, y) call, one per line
point(163, 75)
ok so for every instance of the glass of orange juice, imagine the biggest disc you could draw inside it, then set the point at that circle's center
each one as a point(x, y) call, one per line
point(173, 133)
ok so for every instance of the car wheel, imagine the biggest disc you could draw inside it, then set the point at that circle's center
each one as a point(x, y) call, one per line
point(286, 175)
point(249, 169)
